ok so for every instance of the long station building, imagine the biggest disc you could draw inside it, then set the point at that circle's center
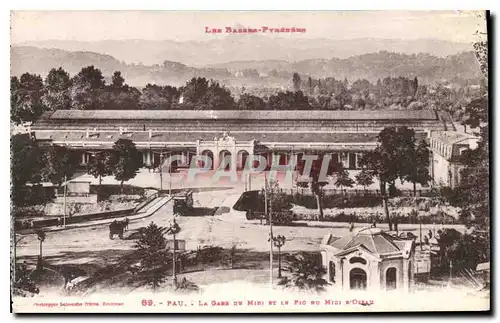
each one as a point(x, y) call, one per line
point(230, 134)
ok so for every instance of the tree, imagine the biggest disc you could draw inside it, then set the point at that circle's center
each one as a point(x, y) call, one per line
point(472, 195)
point(101, 164)
point(250, 102)
point(57, 90)
point(468, 251)
point(86, 88)
point(117, 80)
point(343, 98)
point(217, 98)
point(152, 251)
point(127, 160)
point(386, 161)
point(316, 182)
point(194, 91)
point(343, 180)
point(278, 203)
point(364, 179)
point(289, 101)
point(26, 98)
point(296, 81)
point(306, 272)
point(118, 95)
point(155, 97)
point(58, 163)
point(416, 167)
point(476, 112)
point(24, 167)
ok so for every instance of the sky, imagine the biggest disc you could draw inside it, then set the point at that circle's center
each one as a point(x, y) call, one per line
point(190, 25)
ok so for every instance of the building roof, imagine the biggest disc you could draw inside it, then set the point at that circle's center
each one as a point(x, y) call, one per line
point(238, 114)
point(374, 240)
point(451, 137)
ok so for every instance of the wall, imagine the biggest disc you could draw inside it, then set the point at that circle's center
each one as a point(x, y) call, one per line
point(440, 170)
point(87, 199)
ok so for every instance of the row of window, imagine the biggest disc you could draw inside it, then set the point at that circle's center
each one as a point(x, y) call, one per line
point(358, 277)
point(441, 148)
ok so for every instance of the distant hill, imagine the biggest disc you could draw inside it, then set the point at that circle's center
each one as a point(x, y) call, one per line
point(250, 47)
point(271, 73)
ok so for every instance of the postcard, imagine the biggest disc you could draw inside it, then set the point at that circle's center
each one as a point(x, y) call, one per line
point(258, 161)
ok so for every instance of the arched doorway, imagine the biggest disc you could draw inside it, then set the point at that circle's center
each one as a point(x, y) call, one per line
point(210, 155)
point(357, 279)
point(242, 159)
point(390, 278)
point(225, 159)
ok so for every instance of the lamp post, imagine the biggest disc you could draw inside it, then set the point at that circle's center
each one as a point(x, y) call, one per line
point(64, 201)
point(279, 241)
point(174, 229)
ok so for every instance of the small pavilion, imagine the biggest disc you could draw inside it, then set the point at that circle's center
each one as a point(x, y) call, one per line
point(369, 259)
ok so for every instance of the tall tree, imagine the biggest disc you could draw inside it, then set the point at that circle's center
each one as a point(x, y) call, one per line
point(155, 97)
point(387, 161)
point(57, 90)
point(416, 166)
point(277, 201)
point(87, 86)
point(100, 164)
point(117, 80)
point(127, 159)
point(343, 180)
point(58, 162)
point(296, 81)
point(26, 98)
point(24, 167)
point(118, 95)
point(217, 98)
point(364, 179)
point(194, 91)
point(316, 182)
point(152, 252)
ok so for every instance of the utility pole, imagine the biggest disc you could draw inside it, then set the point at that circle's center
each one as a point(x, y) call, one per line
point(270, 231)
point(170, 178)
point(161, 171)
point(64, 202)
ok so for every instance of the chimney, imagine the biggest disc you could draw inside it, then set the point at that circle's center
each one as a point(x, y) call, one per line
point(121, 130)
point(150, 133)
point(87, 133)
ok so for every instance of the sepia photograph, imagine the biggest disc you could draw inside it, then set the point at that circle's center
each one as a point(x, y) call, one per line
point(249, 161)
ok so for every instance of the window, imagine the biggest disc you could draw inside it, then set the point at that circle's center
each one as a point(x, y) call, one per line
point(390, 278)
point(357, 260)
point(332, 271)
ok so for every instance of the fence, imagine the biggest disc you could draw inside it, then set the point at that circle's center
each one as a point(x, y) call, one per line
point(26, 224)
point(356, 192)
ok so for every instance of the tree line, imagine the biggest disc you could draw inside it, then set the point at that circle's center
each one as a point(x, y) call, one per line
point(34, 165)
point(88, 90)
